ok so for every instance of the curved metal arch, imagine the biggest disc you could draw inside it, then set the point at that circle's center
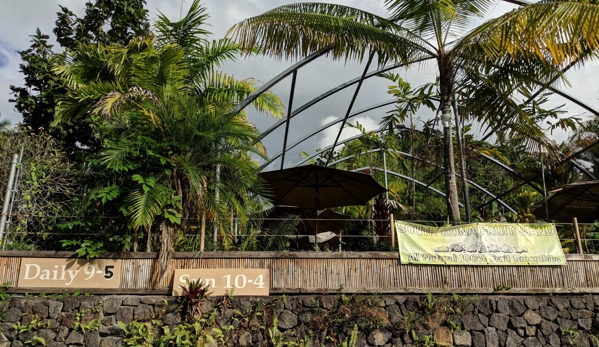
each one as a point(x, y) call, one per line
point(330, 92)
point(437, 191)
point(491, 159)
point(474, 184)
point(324, 127)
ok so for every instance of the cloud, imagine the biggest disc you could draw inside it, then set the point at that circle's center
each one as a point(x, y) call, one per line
point(20, 19)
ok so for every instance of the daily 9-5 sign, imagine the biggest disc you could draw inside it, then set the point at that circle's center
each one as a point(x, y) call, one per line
point(69, 273)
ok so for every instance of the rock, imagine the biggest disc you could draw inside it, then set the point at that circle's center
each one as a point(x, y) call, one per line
point(503, 306)
point(434, 320)
point(328, 302)
point(554, 340)
point(517, 308)
point(484, 306)
point(149, 300)
point(111, 342)
point(531, 303)
point(244, 305)
point(70, 304)
point(577, 304)
point(110, 330)
point(110, 320)
point(499, 321)
point(68, 319)
point(548, 313)
point(548, 327)
point(16, 343)
point(310, 302)
point(287, 320)
point(443, 336)
point(532, 317)
point(379, 337)
point(75, 338)
point(483, 319)
point(12, 315)
point(245, 339)
point(8, 330)
point(40, 310)
point(56, 344)
point(46, 334)
point(586, 324)
point(396, 342)
point(172, 319)
point(394, 314)
point(54, 308)
point(561, 304)
point(530, 331)
point(124, 314)
point(585, 314)
point(143, 313)
point(566, 324)
point(471, 323)
point(532, 342)
point(62, 333)
point(513, 340)
point(92, 339)
point(131, 301)
point(518, 322)
point(478, 339)
point(491, 338)
point(462, 338)
point(112, 304)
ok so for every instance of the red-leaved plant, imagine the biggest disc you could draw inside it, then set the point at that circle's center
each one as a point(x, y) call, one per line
point(194, 292)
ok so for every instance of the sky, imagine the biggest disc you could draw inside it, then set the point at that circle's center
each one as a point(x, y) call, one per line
point(19, 19)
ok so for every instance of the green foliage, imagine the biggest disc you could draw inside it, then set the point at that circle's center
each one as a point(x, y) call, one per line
point(194, 294)
point(89, 249)
point(138, 334)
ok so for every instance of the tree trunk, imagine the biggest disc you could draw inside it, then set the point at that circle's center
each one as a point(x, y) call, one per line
point(451, 189)
point(162, 266)
point(203, 231)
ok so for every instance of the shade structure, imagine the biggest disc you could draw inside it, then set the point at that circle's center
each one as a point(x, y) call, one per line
point(319, 187)
point(580, 200)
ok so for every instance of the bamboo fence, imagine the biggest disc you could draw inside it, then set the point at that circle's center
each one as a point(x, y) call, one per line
point(350, 272)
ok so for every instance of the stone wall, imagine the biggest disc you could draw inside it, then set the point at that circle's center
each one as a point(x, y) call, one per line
point(328, 320)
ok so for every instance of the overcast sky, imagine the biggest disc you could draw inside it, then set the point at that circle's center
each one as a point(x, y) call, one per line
point(19, 19)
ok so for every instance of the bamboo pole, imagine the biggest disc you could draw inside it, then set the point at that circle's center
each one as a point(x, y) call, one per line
point(391, 220)
point(577, 235)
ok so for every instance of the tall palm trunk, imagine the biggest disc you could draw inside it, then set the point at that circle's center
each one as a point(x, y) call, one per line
point(446, 88)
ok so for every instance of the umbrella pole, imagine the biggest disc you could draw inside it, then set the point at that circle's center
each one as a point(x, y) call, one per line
point(577, 235)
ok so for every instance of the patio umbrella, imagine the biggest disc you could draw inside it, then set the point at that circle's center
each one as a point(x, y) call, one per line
point(319, 187)
point(580, 200)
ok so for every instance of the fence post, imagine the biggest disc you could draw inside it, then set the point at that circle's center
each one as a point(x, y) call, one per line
point(9, 187)
point(391, 220)
point(577, 235)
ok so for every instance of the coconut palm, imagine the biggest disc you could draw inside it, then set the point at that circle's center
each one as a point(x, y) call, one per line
point(527, 45)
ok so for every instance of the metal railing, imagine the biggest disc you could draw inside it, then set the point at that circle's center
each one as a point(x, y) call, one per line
point(257, 234)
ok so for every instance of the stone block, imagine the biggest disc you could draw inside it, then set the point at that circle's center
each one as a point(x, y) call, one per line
point(491, 337)
point(443, 336)
point(111, 305)
point(287, 320)
point(462, 338)
point(532, 318)
point(499, 321)
point(379, 337)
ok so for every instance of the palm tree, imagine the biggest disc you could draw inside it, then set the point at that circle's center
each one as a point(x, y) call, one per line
point(527, 45)
point(160, 118)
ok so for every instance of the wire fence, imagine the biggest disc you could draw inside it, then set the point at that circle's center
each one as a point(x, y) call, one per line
point(71, 233)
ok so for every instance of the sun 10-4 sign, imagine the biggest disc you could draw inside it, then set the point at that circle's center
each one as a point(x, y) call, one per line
point(254, 282)
point(69, 273)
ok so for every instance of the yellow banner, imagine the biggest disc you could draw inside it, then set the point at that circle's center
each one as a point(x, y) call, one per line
point(480, 244)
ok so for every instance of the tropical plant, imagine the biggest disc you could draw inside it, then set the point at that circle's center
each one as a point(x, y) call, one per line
point(171, 152)
point(524, 47)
